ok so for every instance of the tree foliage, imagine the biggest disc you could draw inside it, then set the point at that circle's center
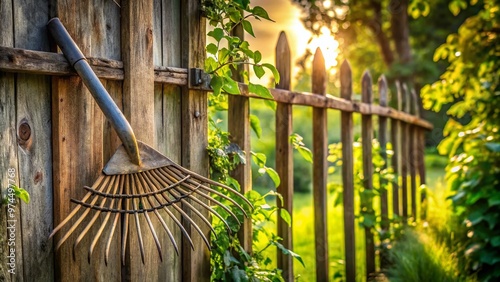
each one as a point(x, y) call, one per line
point(471, 84)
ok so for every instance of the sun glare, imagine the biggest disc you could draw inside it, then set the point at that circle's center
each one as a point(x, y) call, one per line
point(328, 45)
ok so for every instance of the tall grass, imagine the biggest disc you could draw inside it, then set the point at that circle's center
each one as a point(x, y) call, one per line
point(419, 257)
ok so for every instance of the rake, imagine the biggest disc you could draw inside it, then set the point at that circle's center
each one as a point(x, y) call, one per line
point(138, 181)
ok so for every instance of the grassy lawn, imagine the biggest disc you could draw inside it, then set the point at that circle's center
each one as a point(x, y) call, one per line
point(303, 230)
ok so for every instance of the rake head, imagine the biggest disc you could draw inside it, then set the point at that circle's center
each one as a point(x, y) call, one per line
point(132, 191)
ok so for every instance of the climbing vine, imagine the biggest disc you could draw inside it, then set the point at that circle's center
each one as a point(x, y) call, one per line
point(226, 54)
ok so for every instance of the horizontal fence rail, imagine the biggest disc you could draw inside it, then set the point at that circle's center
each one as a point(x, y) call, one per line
point(405, 132)
point(46, 63)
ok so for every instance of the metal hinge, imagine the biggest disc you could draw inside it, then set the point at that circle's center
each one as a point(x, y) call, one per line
point(198, 79)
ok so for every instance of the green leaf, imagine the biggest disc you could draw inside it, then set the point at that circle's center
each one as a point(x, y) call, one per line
point(274, 176)
point(257, 57)
point(259, 71)
point(260, 91)
point(285, 215)
point(255, 125)
point(289, 252)
point(217, 34)
point(306, 154)
point(270, 104)
point(235, 16)
point(259, 159)
point(22, 194)
point(247, 26)
point(212, 49)
point(261, 13)
point(494, 200)
point(230, 86)
point(275, 72)
point(216, 84)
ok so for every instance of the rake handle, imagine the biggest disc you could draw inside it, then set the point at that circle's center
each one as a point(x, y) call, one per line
point(101, 96)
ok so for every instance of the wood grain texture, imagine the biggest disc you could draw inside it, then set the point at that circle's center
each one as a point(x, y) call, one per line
point(239, 129)
point(79, 135)
point(195, 264)
point(382, 138)
point(284, 155)
point(138, 96)
point(35, 156)
point(347, 139)
point(413, 145)
point(404, 155)
point(395, 160)
point(384, 185)
point(8, 149)
point(26, 61)
point(320, 175)
point(366, 140)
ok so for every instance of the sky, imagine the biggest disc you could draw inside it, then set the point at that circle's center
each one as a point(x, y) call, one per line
point(287, 18)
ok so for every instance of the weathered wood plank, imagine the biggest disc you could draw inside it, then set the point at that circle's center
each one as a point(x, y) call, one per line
point(395, 161)
point(347, 139)
point(35, 156)
point(284, 155)
point(196, 264)
point(320, 166)
point(420, 160)
point(138, 96)
point(238, 117)
point(382, 137)
point(8, 150)
point(413, 155)
point(366, 140)
point(404, 156)
point(78, 135)
point(26, 61)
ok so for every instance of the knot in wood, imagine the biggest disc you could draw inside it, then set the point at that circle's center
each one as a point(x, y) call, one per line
point(24, 131)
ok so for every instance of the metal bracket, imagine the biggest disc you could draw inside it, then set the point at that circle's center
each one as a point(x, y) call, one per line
point(198, 79)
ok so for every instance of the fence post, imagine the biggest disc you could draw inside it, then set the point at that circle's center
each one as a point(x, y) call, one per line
point(347, 140)
point(284, 155)
point(239, 129)
point(366, 139)
point(195, 264)
point(420, 160)
point(404, 155)
point(320, 151)
point(382, 90)
point(396, 164)
point(413, 154)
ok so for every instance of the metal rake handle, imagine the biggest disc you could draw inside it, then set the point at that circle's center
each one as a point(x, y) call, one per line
point(101, 96)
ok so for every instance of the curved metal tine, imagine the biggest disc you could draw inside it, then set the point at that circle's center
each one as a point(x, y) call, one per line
point(153, 175)
point(179, 224)
point(169, 181)
point(142, 189)
point(77, 208)
point(137, 223)
point(126, 218)
point(208, 189)
point(212, 182)
point(185, 215)
point(119, 182)
point(80, 219)
point(113, 183)
point(224, 207)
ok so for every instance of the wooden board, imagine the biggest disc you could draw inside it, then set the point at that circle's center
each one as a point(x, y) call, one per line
point(395, 160)
point(320, 175)
point(347, 139)
point(366, 140)
point(34, 150)
point(195, 264)
point(79, 134)
point(284, 155)
point(404, 156)
point(8, 149)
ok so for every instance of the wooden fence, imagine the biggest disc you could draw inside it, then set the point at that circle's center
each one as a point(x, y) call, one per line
point(55, 139)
